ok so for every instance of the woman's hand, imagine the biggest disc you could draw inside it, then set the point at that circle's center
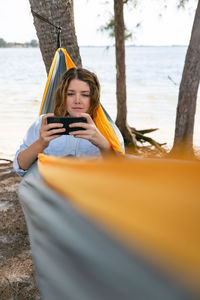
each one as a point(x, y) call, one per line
point(47, 133)
point(91, 133)
point(29, 155)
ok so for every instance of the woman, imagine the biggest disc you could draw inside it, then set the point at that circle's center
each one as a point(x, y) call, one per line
point(78, 95)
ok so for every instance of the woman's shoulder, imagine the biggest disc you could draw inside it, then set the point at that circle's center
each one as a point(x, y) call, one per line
point(34, 128)
point(37, 121)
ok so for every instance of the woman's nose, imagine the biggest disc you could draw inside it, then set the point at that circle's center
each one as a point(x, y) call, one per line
point(77, 98)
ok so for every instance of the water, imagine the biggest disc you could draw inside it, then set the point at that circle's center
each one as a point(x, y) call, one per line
point(151, 95)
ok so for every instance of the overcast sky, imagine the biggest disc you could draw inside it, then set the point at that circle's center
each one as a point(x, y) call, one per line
point(172, 28)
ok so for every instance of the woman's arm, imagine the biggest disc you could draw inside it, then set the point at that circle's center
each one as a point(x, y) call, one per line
point(91, 133)
point(29, 155)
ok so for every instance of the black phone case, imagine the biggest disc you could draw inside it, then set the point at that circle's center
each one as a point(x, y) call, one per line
point(66, 121)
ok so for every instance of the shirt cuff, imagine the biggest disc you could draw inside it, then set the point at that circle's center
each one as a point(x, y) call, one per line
point(16, 166)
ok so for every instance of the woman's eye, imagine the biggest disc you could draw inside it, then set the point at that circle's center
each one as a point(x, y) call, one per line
point(86, 95)
point(70, 94)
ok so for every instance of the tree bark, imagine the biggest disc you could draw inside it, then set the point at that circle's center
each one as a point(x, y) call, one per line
point(121, 120)
point(61, 14)
point(186, 108)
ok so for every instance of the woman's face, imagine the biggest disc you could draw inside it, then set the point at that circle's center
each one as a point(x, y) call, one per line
point(78, 97)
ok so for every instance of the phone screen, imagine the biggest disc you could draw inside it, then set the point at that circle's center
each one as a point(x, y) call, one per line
point(66, 121)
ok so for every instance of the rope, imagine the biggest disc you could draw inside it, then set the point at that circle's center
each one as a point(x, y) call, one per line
point(58, 28)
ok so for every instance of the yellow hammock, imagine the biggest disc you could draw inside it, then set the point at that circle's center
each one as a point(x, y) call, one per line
point(151, 204)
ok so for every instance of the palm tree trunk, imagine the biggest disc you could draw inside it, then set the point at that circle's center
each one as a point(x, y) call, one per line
point(183, 139)
point(121, 119)
point(61, 14)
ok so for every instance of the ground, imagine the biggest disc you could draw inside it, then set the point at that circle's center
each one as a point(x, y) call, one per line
point(16, 267)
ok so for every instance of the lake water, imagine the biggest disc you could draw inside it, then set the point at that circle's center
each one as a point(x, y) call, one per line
point(151, 95)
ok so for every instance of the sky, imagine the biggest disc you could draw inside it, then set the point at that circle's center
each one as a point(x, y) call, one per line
point(172, 28)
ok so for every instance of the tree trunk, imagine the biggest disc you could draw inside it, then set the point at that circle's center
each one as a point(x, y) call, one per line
point(121, 120)
point(183, 140)
point(60, 13)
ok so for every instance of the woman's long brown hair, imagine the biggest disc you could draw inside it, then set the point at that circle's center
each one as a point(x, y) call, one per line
point(61, 92)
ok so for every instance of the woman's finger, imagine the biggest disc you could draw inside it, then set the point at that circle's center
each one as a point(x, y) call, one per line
point(82, 125)
point(44, 118)
point(88, 118)
point(54, 125)
point(55, 131)
point(49, 127)
point(81, 132)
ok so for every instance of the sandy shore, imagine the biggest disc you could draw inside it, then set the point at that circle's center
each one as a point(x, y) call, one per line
point(16, 267)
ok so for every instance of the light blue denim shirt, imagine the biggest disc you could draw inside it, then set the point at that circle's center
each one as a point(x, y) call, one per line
point(65, 145)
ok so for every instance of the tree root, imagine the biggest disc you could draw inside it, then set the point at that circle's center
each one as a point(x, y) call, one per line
point(140, 137)
point(5, 159)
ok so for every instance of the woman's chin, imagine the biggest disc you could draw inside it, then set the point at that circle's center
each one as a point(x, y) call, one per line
point(77, 113)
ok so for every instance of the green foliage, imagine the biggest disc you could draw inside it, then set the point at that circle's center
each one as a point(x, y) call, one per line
point(181, 3)
point(34, 43)
point(133, 2)
point(110, 28)
point(2, 43)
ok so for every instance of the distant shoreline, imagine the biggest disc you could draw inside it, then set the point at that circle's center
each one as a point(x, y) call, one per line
point(17, 46)
point(103, 46)
point(35, 44)
point(27, 45)
point(31, 44)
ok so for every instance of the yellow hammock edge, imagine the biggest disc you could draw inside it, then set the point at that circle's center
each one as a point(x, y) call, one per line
point(69, 64)
point(106, 129)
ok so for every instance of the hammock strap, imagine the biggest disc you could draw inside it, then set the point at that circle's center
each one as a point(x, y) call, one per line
point(58, 28)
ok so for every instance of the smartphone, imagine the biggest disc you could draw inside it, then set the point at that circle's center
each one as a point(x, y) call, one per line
point(66, 121)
